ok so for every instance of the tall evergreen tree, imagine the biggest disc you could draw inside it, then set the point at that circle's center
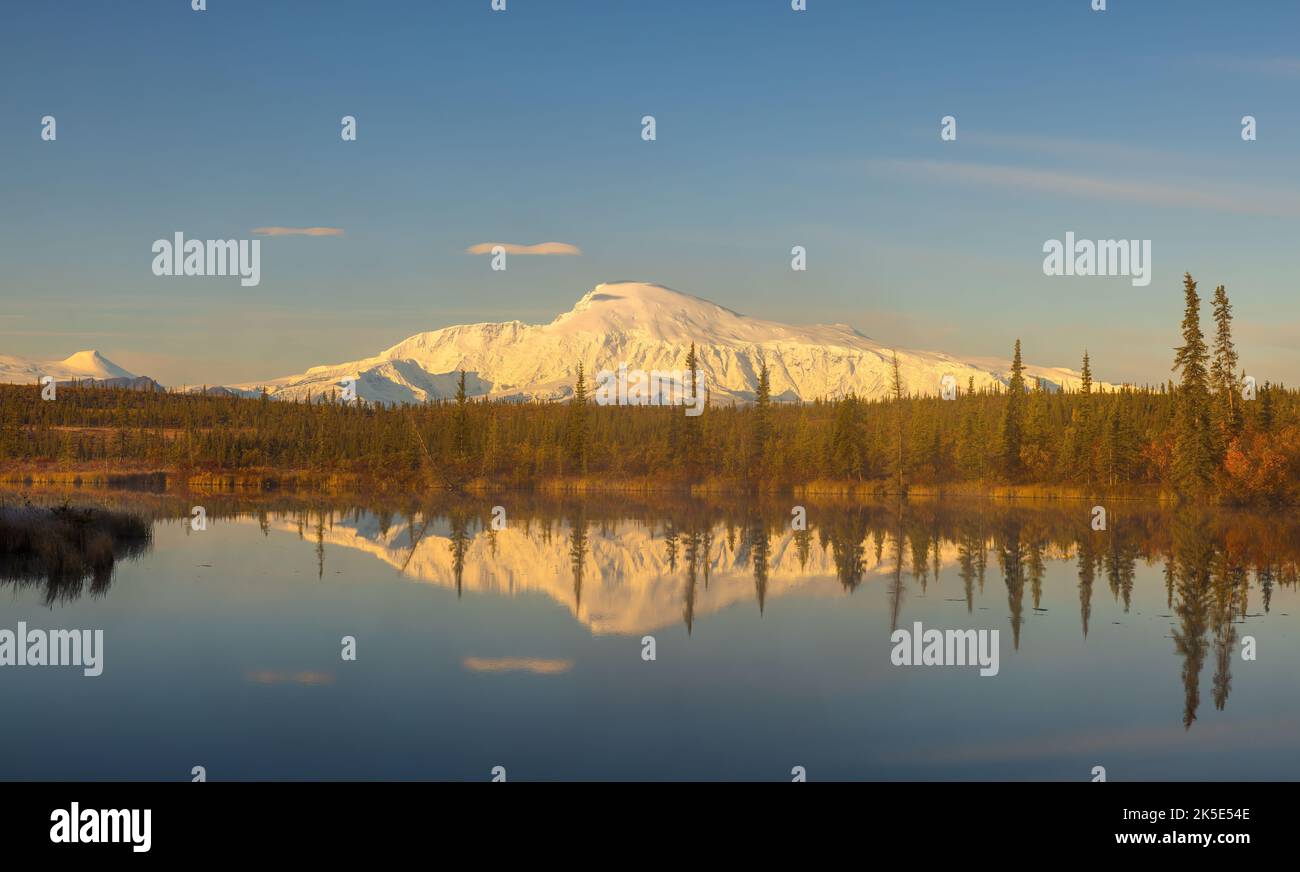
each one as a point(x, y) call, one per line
point(460, 438)
point(762, 431)
point(896, 394)
point(1082, 435)
point(576, 436)
point(1193, 461)
point(1013, 418)
point(1223, 371)
point(694, 382)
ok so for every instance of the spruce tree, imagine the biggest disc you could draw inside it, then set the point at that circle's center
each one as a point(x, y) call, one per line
point(491, 444)
point(1083, 436)
point(576, 426)
point(1193, 461)
point(971, 457)
point(896, 392)
point(845, 446)
point(460, 437)
point(762, 418)
point(694, 426)
point(1013, 418)
point(1265, 418)
point(1038, 440)
point(1223, 372)
point(1119, 444)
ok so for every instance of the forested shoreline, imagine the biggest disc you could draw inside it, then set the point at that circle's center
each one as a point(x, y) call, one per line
point(1199, 436)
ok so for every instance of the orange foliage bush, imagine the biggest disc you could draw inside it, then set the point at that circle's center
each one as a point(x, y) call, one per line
point(1259, 467)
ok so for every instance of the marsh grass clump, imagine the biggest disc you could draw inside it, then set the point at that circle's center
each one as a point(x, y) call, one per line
point(67, 546)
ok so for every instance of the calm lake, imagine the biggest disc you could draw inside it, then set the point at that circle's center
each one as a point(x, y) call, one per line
point(525, 647)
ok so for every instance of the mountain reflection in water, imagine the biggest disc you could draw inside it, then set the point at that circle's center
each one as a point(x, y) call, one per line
point(623, 568)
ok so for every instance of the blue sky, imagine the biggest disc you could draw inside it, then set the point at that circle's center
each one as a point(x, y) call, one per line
point(775, 128)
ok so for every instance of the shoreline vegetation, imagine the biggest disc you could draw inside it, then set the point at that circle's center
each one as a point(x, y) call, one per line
point(1212, 436)
point(65, 547)
point(55, 478)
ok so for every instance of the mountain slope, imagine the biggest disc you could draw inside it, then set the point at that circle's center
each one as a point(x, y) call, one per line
point(646, 326)
point(79, 366)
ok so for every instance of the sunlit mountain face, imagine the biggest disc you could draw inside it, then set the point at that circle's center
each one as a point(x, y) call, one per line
point(636, 325)
point(82, 365)
point(646, 326)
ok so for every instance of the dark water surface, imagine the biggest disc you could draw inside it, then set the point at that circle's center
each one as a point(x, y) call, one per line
point(522, 647)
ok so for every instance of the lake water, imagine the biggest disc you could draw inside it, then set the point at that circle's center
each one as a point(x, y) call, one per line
point(524, 647)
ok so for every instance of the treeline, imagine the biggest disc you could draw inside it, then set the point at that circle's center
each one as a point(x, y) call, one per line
point(1198, 436)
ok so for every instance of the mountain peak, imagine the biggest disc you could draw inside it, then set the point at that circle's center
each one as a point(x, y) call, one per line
point(82, 358)
point(89, 364)
point(653, 310)
point(624, 289)
point(93, 364)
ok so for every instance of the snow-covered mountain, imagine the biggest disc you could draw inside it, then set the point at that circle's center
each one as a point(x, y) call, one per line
point(79, 366)
point(645, 326)
point(651, 327)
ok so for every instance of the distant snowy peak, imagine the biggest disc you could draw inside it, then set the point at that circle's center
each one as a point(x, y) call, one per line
point(651, 327)
point(94, 365)
point(80, 365)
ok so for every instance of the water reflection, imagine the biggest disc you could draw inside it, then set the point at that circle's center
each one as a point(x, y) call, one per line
point(628, 568)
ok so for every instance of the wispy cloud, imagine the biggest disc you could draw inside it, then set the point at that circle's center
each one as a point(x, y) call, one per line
point(1072, 148)
point(269, 676)
point(513, 248)
point(298, 231)
point(1238, 199)
point(517, 664)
